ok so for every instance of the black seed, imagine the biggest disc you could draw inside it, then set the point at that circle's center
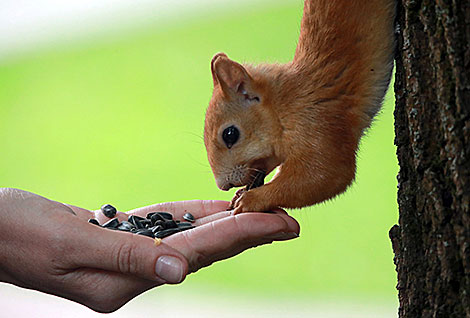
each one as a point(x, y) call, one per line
point(170, 224)
point(160, 223)
point(145, 232)
point(185, 224)
point(258, 181)
point(108, 210)
point(125, 226)
point(166, 215)
point(186, 227)
point(166, 233)
point(149, 215)
point(157, 228)
point(113, 223)
point(156, 217)
point(94, 221)
point(189, 217)
point(134, 219)
point(146, 223)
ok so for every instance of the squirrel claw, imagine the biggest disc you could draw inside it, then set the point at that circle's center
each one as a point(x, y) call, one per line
point(234, 203)
point(246, 201)
point(237, 210)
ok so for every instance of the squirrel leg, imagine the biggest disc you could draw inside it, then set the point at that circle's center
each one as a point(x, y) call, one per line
point(296, 186)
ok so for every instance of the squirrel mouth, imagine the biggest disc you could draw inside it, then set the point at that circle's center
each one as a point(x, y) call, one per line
point(255, 174)
point(256, 180)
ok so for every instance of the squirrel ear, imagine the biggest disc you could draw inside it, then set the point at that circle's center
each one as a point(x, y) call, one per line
point(232, 77)
point(214, 74)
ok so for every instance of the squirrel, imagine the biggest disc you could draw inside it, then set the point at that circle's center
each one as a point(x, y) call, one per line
point(306, 116)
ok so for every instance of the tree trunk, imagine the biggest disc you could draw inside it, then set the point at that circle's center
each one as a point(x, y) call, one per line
point(432, 126)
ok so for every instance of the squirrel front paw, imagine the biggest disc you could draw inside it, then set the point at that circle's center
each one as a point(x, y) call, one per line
point(250, 201)
point(235, 198)
point(244, 202)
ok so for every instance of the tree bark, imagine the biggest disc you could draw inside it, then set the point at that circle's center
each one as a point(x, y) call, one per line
point(432, 127)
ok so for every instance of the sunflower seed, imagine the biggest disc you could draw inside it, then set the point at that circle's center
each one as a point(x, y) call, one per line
point(94, 221)
point(108, 210)
point(136, 220)
point(166, 215)
point(170, 224)
point(154, 217)
point(125, 226)
point(166, 232)
point(113, 223)
point(189, 217)
point(145, 232)
point(185, 225)
point(157, 228)
point(258, 180)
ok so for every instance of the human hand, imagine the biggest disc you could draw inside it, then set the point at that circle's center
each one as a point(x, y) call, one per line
point(219, 234)
point(49, 246)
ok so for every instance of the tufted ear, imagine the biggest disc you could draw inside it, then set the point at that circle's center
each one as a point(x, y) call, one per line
point(232, 78)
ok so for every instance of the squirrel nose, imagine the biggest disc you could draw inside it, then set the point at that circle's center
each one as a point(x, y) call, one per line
point(223, 184)
point(226, 186)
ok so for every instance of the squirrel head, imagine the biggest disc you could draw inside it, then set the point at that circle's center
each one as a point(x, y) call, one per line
point(241, 132)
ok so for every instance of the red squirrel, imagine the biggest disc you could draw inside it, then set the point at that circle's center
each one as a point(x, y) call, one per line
point(307, 116)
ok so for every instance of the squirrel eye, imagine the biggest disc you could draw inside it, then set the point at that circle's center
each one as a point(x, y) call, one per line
point(230, 136)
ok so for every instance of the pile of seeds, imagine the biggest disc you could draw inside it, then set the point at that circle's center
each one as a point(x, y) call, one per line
point(155, 225)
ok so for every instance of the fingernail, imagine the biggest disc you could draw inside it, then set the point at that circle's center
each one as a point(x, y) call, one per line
point(283, 236)
point(169, 268)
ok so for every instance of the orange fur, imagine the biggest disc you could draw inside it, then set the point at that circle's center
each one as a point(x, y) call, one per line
point(306, 116)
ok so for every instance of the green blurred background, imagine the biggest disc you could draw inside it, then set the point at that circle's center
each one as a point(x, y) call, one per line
point(120, 120)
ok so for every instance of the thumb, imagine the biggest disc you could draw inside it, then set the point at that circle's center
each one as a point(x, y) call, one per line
point(128, 253)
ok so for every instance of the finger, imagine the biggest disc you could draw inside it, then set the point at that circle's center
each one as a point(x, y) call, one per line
point(198, 208)
point(212, 217)
point(223, 214)
point(231, 235)
point(125, 253)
